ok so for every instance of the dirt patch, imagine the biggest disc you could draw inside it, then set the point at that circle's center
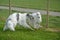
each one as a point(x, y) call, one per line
point(53, 29)
point(2, 18)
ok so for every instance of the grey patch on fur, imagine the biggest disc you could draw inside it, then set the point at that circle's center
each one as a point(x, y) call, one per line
point(17, 17)
point(27, 15)
point(8, 19)
point(31, 17)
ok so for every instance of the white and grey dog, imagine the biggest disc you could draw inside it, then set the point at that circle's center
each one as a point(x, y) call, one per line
point(21, 19)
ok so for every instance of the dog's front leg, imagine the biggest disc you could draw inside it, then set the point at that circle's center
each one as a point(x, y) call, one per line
point(26, 25)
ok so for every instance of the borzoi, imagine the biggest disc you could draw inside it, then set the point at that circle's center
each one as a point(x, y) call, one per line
point(21, 19)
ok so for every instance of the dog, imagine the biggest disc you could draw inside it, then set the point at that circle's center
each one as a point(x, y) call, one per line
point(23, 19)
point(16, 18)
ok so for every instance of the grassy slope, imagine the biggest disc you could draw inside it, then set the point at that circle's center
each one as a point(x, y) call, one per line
point(26, 34)
point(36, 4)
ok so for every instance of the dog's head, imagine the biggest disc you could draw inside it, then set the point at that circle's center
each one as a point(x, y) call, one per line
point(37, 17)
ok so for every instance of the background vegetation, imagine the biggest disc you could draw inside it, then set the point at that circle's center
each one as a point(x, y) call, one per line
point(35, 4)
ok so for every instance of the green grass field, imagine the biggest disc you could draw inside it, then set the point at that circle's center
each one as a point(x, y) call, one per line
point(23, 34)
point(26, 34)
point(54, 5)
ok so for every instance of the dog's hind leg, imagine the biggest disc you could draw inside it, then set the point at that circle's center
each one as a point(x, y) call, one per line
point(11, 25)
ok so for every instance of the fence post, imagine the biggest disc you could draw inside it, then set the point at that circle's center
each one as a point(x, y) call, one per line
point(47, 18)
point(9, 7)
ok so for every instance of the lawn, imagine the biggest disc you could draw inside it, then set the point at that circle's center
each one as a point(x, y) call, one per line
point(54, 5)
point(26, 34)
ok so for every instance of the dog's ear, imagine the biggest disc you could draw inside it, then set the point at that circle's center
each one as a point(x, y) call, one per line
point(27, 15)
point(30, 16)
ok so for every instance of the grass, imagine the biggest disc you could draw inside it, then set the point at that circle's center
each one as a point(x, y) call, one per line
point(23, 34)
point(54, 21)
point(54, 5)
point(26, 34)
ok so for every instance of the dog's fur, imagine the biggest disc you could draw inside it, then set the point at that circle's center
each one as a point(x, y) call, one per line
point(21, 19)
point(36, 20)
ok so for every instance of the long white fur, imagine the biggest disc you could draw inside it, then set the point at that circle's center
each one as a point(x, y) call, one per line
point(11, 21)
point(37, 20)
